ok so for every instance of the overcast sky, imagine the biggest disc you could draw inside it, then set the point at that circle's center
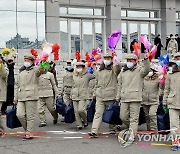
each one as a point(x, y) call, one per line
point(26, 20)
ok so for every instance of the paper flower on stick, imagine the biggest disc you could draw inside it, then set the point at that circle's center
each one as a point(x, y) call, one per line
point(144, 40)
point(34, 53)
point(90, 70)
point(164, 60)
point(115, 60)
point(6, 51)
point(45, 65)
point(55, 51)
point(152, 53)
point(87, 57)
point(13, 49)
point(136, 51)
point(113, 39)
point(96, 55)
point(162, 71)
point(78, 56)
point(46, 51)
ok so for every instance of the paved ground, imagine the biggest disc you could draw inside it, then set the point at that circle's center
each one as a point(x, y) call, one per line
point(57, 145)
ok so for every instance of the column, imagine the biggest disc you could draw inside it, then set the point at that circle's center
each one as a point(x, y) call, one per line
point(113, 21)
point(52, 21)
point(168, 15)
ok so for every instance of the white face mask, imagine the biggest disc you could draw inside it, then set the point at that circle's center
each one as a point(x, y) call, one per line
point(129, 64)
point(107, 62)
point(79, 70)
point(178, 63)
point(150, 74)
point(27, 64)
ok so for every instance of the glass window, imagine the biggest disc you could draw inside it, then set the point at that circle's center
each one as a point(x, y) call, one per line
point(7, 5)
point(177, 15)
point(87, 36)
point(98, 34)
point(40, 6)
point(85, 11)
point(133, 31)
point(41, 26)
point(64, 36)
point(138, 14)
point(153, 32)
point(27, 29)
point(124, 37)
point(123, 13)
point(26, 26)
point(144, 29)
point(152, 14)
point(7, 27)
point(27, 5)
point(75, 36)
point(98, 12)
point(63, 10)
point(178, 28)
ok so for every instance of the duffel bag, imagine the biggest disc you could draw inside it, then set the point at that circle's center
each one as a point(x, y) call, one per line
point(12, 120)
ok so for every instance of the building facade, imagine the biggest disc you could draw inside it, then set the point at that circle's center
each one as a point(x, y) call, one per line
point(85, 24)
point(23, 43)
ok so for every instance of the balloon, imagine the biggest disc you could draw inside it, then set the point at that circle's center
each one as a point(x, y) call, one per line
point(113, 39)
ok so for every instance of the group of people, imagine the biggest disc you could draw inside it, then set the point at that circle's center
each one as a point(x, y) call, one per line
point(172, 45)
point(131, 84)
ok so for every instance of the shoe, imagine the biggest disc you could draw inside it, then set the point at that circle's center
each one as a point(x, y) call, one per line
point(27, 137)
point(42, 125)
point(119, 127)
point(91, 134)
point(174, 148)
point(63, 120)
point(55, 121)
point(85, 125)
point(112, 132)
point(3, 113)
point(79, 128)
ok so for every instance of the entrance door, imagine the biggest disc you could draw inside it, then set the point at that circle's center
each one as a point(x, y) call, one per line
point(138, 28)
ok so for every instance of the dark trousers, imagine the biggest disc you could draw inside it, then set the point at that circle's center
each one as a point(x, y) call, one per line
point(9, 98)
